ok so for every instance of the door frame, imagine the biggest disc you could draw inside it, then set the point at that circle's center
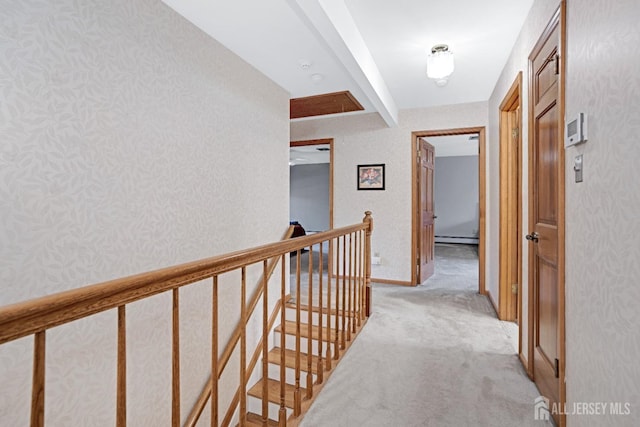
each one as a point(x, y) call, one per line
point(322, 142)
point(559, 19)
point(415, 220)
point(510, 231)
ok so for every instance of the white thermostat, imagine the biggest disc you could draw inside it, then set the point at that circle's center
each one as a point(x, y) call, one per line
point(576, 130)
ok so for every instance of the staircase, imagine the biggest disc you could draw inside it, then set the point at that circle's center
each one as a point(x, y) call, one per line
point(300, 342)
point(327, 345)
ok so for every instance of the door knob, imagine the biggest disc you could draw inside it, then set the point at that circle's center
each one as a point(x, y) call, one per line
point(533, 237)
point(435, 216)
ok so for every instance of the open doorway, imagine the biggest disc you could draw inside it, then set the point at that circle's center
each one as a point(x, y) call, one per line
point(510, 279)
point(311, 206)
point(311, 184)
point(469, 230)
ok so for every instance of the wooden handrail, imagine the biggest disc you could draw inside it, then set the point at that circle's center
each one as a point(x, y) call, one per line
point(26, 318)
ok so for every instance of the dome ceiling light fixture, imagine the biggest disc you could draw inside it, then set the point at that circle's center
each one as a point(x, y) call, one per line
point(440, 64)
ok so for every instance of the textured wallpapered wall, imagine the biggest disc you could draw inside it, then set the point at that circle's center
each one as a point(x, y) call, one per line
point(537, 19)
point(128, 144)
point(603, 212)
point(363, 139)
point(602, 292)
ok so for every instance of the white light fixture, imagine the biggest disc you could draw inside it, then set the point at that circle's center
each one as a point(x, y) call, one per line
point(440, 64)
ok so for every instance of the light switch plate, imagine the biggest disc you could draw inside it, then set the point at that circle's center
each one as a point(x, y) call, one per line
point(578, 167)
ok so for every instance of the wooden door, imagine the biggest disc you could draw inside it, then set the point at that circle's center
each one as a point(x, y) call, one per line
point(426, 238)
point(546, 214)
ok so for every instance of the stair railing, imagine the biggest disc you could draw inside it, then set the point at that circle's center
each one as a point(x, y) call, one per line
point(35, 317)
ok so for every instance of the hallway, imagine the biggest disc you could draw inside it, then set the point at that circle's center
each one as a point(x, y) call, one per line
point(434, 355)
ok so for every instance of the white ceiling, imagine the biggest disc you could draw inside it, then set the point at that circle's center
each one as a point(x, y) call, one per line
point(309, 155)
point(377, 49)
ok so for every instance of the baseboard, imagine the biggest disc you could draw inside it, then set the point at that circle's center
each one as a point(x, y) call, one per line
point(464, 240)
point(525, 365)
point(493, 303)
point(392, 282)
point(383, 281)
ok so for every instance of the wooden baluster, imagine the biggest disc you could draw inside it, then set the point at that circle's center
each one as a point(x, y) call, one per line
point(37, 387)
point(364, 273)
point(329, 284)
point(343, 343)
point(297, 398)
point(282, 414)
point(310, 327)
point(354, 281)
point(356, 291)
point(243, 349)
point(367, 260)
point(265, 343)
point(349, 306)
point(336, 347)
point(175, 361)
point(361, 279)
point(121, 393)
point(214, 353)
point(319, 367)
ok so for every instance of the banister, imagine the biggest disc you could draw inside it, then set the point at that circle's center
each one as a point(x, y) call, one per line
point(34, 317)
point(29, 317)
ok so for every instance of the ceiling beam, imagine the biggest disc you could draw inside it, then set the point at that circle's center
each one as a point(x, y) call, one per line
point(331, 21)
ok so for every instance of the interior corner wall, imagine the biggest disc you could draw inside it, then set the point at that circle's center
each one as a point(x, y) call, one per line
point(603, 225)
point(128, 144)
point(540, 14)
point(365, 139)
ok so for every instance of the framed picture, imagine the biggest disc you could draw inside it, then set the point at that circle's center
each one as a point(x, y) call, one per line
point(371, 177)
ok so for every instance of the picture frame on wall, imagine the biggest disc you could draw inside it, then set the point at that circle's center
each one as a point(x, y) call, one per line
point(371, 177)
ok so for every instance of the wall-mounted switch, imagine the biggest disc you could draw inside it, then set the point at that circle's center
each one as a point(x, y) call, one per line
point(578, 166)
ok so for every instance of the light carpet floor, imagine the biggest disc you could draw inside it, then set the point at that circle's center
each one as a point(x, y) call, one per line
point(433, 355)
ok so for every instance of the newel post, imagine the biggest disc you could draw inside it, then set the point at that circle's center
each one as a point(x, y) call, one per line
point(367, 261)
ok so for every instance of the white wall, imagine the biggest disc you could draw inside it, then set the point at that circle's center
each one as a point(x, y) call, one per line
point(364, 139)
point(456, 196)
point(603, 212)
point(309, 195)
point(128, 144)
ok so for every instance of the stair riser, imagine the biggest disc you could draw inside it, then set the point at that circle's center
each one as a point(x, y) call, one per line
point(290, 343)
point(291, 315)
point(254, 405)
point(290, 374)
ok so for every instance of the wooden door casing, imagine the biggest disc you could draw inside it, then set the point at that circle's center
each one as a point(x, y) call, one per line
point(426, 262)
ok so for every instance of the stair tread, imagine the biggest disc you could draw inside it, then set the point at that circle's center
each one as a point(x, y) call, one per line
point(290, 360)
point(255, 420)
point(290, 329)
point(315, 309)
point(273, 389)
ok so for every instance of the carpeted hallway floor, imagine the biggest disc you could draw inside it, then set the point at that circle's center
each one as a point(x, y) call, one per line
point(434, 355)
